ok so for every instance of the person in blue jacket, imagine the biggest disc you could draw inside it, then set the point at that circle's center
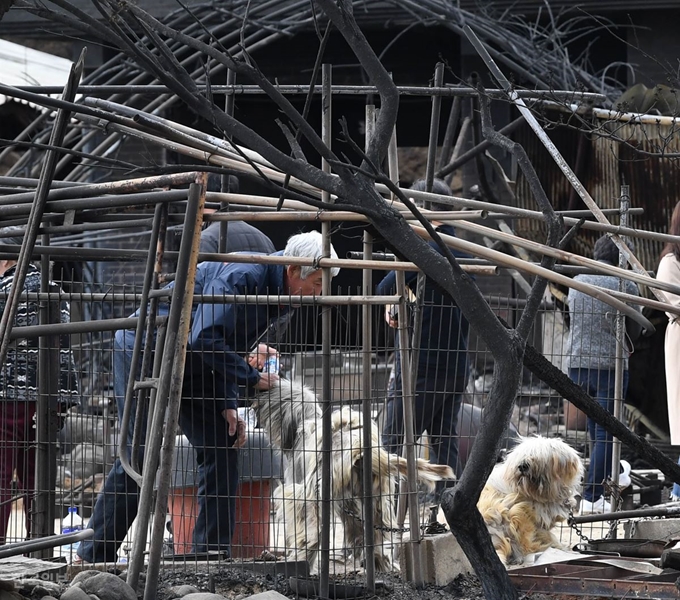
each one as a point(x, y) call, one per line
point(240, 236)
point(442, 367)
point(221, 335)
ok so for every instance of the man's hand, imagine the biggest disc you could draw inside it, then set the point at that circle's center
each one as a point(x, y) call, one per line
point(390, 316)
point(267, 381)
point(237, 426)
point(259, 356)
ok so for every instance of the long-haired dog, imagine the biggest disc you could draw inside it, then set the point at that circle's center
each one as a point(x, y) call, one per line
point(528, 494)
point(292, 417)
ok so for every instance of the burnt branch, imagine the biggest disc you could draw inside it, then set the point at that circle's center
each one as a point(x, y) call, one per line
point(553, 222)
point(340, 13)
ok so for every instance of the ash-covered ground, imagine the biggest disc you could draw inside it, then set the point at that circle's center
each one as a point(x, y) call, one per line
point(238, 584)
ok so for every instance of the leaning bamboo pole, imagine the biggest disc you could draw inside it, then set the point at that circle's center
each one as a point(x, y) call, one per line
point(516, 263)
point(612, 115)
point(499, 211)
point(214, 151)
point(292, 89)
point(569, 257)
point(555, 153)
point(126, 186)
point(339, 215)
point(581, 261)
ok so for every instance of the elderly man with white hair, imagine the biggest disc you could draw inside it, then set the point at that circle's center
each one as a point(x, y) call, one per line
point(222, 335)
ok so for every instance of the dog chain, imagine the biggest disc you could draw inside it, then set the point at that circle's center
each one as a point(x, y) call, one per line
point(376, 527)
point(579, 532)
point(429, 528)
point(583, 537)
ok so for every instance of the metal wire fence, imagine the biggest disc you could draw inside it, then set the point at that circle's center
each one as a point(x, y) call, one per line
point(276, 511)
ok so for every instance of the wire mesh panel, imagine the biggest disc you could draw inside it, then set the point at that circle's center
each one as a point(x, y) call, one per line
point(261, 504)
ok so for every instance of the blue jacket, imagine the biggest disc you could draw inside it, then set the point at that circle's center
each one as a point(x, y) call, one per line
point(220, 332)
point(241, 237)
point(443, 342)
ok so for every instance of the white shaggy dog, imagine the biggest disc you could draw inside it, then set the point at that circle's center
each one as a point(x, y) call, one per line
point(528, 494)
point(291, 416)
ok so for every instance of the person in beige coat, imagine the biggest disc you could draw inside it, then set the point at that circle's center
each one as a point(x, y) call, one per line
point(669, 271)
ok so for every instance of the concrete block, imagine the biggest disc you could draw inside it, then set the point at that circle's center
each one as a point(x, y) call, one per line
point(441, 556)
point(655, 529)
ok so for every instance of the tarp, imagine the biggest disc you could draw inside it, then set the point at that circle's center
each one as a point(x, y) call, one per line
point(20, 65)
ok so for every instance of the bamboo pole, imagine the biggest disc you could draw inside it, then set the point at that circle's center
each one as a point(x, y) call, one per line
point(303, 89)
point(173, 127)
point(78, 190)
point(515, 263)
point(340, 215)
point(554, 152)
point(614, 115)
point(569, 257)
point(566, 256)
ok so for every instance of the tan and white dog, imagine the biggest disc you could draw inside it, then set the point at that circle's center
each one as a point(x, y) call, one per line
point(292, 418)
point(528, 494)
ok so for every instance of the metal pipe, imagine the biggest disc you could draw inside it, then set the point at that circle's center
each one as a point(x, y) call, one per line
point(555, 154)
point(520, 265)
point(303, 89)
point(37, 208)
point(639, 278)
point(119, 201)
point(316, 215)
point(75, 327)
point(478, 149)
point(176, 342)
point(327, 435)
point(659, 511)
point(575, 214)
point(153, 319)
point(458, 148)
point(407, 394)
point(451, 126)
point(167, 376)
point(49, 366)
point(434, 128)
point(367, 392)
point(225, 185)
point(51, 541)
point(620, 330)
point(32, 182)
point(130, 463)
point(46, 432)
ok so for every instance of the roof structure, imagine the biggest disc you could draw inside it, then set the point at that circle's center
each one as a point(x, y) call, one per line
point(18, 21)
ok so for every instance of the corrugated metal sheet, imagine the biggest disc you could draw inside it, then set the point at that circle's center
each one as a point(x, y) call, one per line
point(654, 182)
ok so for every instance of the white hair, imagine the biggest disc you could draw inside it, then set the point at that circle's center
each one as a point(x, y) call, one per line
point(308, 245)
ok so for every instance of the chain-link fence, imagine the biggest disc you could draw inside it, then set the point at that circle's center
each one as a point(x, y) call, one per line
point(266, 501)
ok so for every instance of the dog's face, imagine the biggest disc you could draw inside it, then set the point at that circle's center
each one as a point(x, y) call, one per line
point(543, 469)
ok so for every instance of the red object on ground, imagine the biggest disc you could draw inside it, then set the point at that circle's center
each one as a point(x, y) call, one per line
point(251, 535)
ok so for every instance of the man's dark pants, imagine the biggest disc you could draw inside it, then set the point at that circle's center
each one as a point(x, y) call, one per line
point(436, 409)
point(207, 431)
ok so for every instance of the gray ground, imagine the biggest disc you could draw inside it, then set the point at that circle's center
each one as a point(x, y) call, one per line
point(238, 584)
